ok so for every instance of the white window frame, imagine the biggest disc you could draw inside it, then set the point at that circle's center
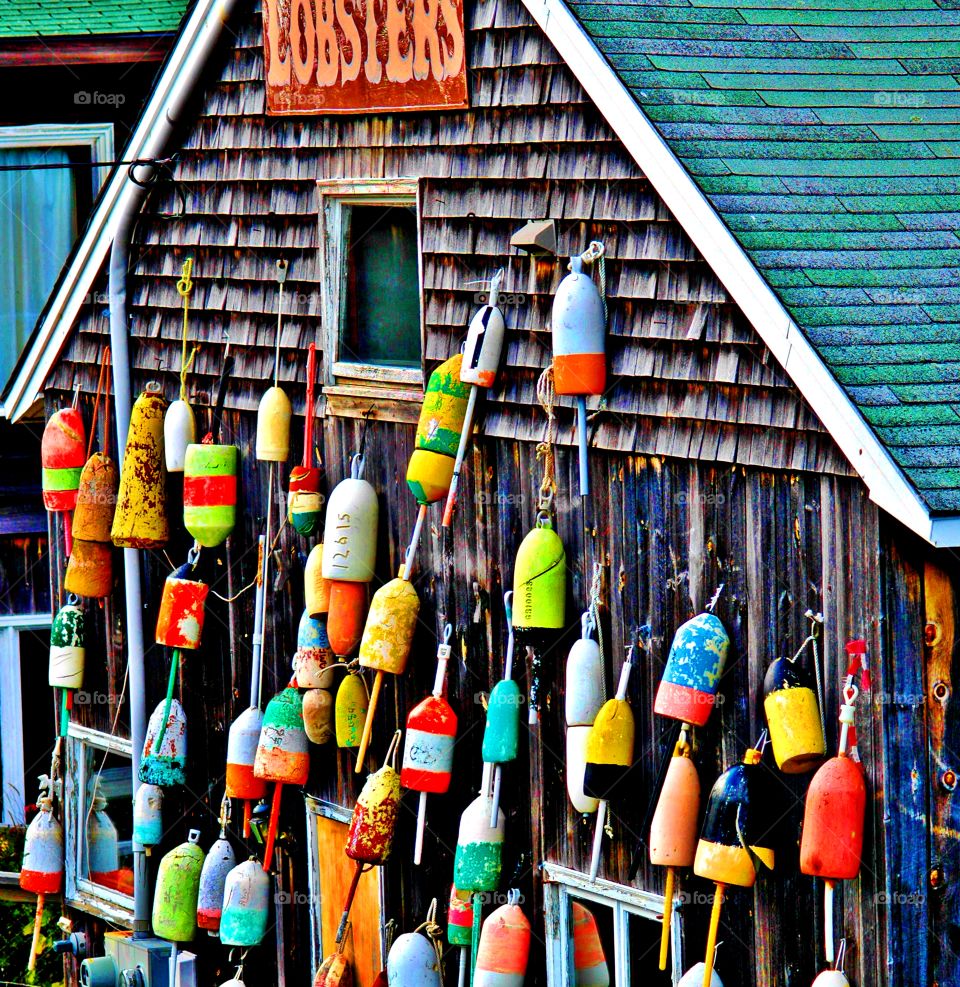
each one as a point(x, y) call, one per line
point(97, 136)
point(561, 884)
point(80, 892)
point(335, 197)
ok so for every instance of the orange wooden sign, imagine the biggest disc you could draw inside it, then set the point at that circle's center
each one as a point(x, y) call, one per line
point(363, 56)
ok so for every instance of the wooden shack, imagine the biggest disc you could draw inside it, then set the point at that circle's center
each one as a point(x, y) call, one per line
point(711, 473)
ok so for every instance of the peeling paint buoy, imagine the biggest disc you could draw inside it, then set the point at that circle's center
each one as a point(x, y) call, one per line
point(246, 905)
point(67, 649)
point(178, 884)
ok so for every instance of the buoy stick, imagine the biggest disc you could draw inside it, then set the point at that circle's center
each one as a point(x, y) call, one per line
point(37, 922)
point(255, 696)
point(348, 904)
point(828, 920)
point(68, 532)
point(64, 714)
point(421, 826)
point(171, 683)
point(368, 722)
point(272, 828)
point(712, 935)
point(414, 542)
point(598, 839)
point(464, 963)
point(308, 408)
point(582, 442)
point(258, 617)
point(475, 932)
point(667, 919)
point(247, 813)
point(461, 452)
point(507, 674)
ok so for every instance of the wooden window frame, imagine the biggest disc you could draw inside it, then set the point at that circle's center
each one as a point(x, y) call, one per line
point(79, 892)
point(560, 884)
point(346, 382)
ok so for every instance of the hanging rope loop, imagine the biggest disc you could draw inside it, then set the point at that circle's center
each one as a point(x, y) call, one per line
point(184, 289)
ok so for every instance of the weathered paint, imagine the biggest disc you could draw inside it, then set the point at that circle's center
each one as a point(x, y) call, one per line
point(246, 905)
point(89, 569)
point(42, 869)
point(350, 530)
point(140, 520)
point(793, 718)
point(210, 492)
point(67, 649)
point(609, 753)
point(413, 962)
point(316, 589)
point(273, 426)
point(96, 499)
point(589, 963)
point(429, 475)
point(182, 609)
point(282, 751)
point(504, 949)
point(388, 632)
point(459, 918)
point(688, 688)
point(166, 766)
point(477, 861)
point(220, 860)
point(673, 831)
point(318, 715)
point(579, 330)
point(175, 897)
point(374, 820)
point(335, 971)
point(179, 431)
point(350, 710)
point(348, 614)
point(314, 658)
point(501, 731)
point(429, 741)
point(305, 502)
point(540, 581)
point(62, 455)
point(242, 741)
point(147, 816)
point(833, 818)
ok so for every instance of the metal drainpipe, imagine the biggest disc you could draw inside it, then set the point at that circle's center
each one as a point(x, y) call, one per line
point(205, 37)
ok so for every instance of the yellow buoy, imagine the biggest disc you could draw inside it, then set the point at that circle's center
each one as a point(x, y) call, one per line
point(540, 580)
point(273, 426)
point(140, 520)
point(316, 589)
point(350, 710)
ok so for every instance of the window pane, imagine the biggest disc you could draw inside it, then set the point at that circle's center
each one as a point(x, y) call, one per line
point(107, 857)
point(589, 962)
point(644, 952)
point(38, 224)
point(382, 308)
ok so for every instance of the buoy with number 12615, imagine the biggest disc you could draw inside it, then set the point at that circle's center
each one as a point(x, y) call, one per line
point(350, 530)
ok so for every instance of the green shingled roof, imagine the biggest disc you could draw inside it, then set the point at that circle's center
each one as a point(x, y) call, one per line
point(826, 133)
point(71, 18)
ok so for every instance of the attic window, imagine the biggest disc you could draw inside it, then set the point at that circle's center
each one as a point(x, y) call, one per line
point(371, 284)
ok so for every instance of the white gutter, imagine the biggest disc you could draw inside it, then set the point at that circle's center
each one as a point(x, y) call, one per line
point(149, 140)
point(888, 486)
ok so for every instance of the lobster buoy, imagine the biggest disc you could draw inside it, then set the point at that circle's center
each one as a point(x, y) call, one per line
point(140, 520)
point(148, 817)
point(688, 688)
point(242, 741)
point(347, 616)
point(220, 860)
point(579, 327)
point(438, 433)
point(413, 962)
point(584, 699)
point(282, 752)
point(350, 531)
point(179, 431)
point(540, 580)
point(178, 885)
point(501, 731)
point(62, 455)
point(460, 928)
point(673, 831)
point(478, 857)
point(350, 710)
point(316, 589)
point(318, 715)
point(734, 838)
point(67, 649)
point(305, 502)
point(504, 947)
point(589, 962)
point(793, 718)
point(182, 609)
point(273, 426)
point(210, 492)
point(246, 905)
point(102, 847)
point(694, 977)
point(41, 871)
point(335, 971)
point(832, 978)
point(90, 566)
point(164, 759)
point(314, 658)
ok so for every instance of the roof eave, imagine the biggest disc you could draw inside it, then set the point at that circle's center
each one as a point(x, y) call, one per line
point(888, 487)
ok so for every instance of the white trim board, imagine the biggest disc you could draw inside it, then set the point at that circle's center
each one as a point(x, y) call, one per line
point(886, 483)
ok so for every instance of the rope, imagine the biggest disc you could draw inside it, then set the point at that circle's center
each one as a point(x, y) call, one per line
point(281, 278)
point(594, 610)
point(258, 578)
point(103, 390)
point(184, 288)
point(816, 620)
point(434, 933)
point(546, 395)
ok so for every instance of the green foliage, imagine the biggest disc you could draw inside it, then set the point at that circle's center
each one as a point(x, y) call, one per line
point(16, 926)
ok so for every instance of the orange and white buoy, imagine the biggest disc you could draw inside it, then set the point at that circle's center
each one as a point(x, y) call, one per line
point(589, 962)
point(42, 869)
point(504, 950)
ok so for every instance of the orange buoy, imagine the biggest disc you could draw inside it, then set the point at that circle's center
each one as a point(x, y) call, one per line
point(589, 961)
point(347, 616)
point(673, 832)
point(90, 566)
point(504, 947)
